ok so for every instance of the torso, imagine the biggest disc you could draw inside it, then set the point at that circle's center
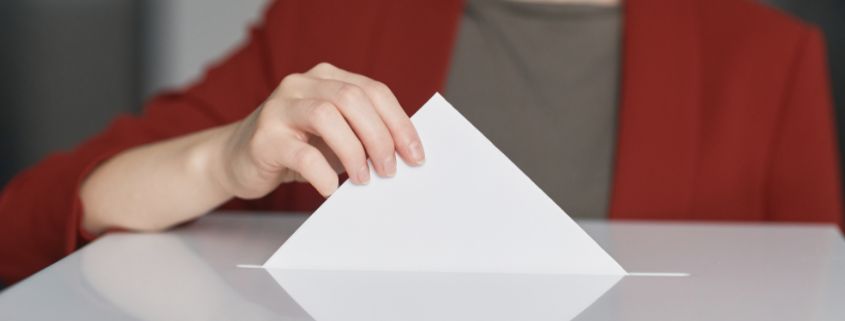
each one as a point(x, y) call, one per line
point(541, 81)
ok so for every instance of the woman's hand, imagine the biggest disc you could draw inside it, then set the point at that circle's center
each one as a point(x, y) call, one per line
point(314, 126)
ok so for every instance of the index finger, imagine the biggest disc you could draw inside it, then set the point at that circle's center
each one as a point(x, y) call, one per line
point(406, 139)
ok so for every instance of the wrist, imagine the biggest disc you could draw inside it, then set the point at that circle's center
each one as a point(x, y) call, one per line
point(206, 160)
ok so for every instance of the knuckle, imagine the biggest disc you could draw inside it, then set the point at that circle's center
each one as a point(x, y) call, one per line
point(378, 87)
point(348, 94)
point(404, 140)
point(322, 112)
point(289, 80)
point(378, 142)
point(303, 157)
point(322, 67)
point(383, 146)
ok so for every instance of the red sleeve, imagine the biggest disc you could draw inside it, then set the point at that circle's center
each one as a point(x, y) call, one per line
point(805, 176)
point(40, 209)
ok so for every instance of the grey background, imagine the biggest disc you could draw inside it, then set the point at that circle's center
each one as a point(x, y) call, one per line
point(68, 67)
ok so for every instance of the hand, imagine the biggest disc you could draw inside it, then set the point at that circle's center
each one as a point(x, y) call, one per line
point(314, 126)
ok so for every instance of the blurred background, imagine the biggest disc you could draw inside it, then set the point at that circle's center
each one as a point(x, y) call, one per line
point(70, 66)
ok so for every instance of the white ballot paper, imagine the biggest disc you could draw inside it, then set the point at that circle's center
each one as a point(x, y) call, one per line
point(467, 209)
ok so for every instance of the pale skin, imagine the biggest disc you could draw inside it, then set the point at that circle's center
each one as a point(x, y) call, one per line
point(314, 126)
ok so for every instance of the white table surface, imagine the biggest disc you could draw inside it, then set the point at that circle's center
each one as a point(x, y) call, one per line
point(737, 272)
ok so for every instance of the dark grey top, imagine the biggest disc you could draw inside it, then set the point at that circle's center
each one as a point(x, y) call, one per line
point(541, 81)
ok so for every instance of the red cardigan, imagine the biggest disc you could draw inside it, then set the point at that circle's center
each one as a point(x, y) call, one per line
point(725, 112)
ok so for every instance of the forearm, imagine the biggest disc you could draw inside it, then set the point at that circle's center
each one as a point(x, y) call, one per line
point(155, 186)
point(312, 127)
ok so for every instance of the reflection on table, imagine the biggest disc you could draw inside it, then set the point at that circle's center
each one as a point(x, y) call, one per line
point(739, 272)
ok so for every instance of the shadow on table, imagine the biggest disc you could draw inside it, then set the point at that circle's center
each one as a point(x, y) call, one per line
point(160, 277)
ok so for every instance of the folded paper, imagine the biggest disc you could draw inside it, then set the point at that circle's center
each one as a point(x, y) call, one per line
point(467, 209)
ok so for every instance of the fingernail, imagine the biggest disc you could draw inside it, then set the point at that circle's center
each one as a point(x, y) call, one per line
point(364, 174)
point(417, 154)
point(389, 166)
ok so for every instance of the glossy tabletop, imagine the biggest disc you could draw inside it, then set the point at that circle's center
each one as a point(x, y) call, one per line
point(736, 272)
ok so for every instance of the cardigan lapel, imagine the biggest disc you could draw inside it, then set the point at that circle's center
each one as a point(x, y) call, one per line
point(658, 126)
